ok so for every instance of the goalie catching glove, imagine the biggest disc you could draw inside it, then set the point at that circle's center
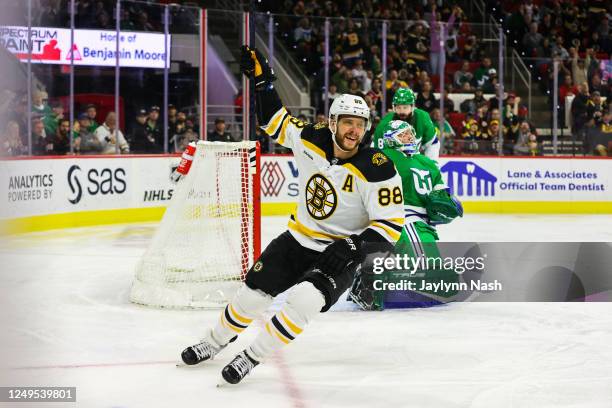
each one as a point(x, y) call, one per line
point(254, 65)
point(442, 207)
point(340, 254)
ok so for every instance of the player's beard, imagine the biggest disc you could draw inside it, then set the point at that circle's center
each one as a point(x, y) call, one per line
point(403, 117)
point(352, 145)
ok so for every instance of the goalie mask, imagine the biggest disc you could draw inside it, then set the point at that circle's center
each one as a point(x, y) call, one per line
point(348, 105)
point(400, 135)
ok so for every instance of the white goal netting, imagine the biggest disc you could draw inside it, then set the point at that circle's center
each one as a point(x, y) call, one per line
point(209, 234)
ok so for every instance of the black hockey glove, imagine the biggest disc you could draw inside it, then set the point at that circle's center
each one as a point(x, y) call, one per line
point(340, 254)
point(254, 65)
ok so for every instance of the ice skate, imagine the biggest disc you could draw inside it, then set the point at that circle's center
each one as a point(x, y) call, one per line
point(238, 368)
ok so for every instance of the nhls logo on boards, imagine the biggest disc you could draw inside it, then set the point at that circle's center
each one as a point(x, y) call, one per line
point(95, 182)
point(468, 179)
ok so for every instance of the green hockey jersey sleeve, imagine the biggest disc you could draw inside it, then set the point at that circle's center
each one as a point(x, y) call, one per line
point(427, 134)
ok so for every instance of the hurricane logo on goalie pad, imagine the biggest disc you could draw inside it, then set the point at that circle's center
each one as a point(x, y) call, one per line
point(321, 198)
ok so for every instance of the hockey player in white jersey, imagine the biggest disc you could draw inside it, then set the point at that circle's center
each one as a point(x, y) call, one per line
point(348, 196)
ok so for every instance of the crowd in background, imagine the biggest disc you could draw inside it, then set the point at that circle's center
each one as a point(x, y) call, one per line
point(576, 34)
point(100, 14)
point(567, 30)
point(96, 132)
point(413, 60)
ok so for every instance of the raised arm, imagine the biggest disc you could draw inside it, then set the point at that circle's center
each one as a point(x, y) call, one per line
point(274, 119)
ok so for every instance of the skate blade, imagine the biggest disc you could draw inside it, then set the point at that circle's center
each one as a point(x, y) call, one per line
point(221, 383)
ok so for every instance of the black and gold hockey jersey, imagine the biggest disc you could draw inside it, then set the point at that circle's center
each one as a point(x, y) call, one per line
point(338, 198)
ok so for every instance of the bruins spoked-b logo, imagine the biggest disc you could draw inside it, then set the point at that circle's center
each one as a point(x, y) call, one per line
point(321, 198)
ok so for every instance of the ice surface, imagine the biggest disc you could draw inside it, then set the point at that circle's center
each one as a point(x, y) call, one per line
point(66, 321)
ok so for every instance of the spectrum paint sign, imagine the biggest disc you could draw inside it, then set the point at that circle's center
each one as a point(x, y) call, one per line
point(91, 47)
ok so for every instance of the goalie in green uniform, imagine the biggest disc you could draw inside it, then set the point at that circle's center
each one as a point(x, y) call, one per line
point(427, 203)
point(403, 109)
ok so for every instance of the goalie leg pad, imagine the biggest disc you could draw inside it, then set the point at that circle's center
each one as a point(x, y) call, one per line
point(303, 303)
point(239, 313)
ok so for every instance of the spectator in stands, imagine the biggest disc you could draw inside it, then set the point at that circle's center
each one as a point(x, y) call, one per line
point(342, 79)
point(219, 134)
point(491, 83)
point(366, 86)
point(303, 32)
point(426, 99)
point(463, 76)
point(420, 81)
point(579, 66)
point(171, 119)
point(321, 118)
point(470, 106)
point(599, 138)
point(547, 26)
point(482, 73)
point(597, 86)
point(92, 112)
point(596, 108)
point(355, 88)
point(376, 95)
point(40, 108)
point(558, 50)
point(494, 114)
point(103, 21)
point(142, 22)
point(447, 135)
point(359, 73)
point(141, 139)
point(153, 131)
point(532, 41)
point(332, 94)
point(418, 46)
point(435, 34)
point(110, 137)
point(127, 23)
point(511, 108)
point(471, 135)
point(526, 143)
point(393, 78)
point(566, 89)
point(352, 46)
point(86, 142)
point(61, 141)
point(491, 136)
point(12, 144)
point(41, 142)
point(180, 128)
point(51, 120)
point(579, 107)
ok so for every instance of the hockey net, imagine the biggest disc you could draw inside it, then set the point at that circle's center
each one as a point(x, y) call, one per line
point(210, 232)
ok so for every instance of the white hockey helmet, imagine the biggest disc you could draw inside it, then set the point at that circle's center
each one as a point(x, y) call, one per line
point(351, 105)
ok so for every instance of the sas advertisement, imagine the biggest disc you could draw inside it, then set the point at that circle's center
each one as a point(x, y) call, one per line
point(130, 188)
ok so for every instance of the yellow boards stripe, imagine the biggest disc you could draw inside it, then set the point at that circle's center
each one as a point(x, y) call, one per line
point(355, 171)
